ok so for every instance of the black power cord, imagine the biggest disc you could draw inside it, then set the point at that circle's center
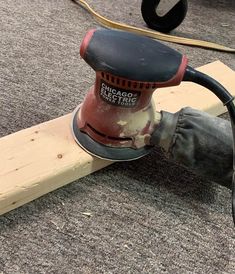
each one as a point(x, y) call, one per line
point(226, 98)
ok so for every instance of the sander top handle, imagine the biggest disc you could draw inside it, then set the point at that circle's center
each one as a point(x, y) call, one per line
point(133, 57)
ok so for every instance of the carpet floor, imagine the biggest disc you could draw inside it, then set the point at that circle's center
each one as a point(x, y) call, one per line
point(146, 216)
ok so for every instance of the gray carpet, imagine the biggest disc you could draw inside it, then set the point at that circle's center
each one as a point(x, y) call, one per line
point(146, 216)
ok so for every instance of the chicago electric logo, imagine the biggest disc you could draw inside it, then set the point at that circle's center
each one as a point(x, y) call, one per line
point(119, 97)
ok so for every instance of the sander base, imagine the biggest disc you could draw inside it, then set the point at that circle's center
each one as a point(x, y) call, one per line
point(105, 152)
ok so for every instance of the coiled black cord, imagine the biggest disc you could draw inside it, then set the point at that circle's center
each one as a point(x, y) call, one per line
point(202, 79)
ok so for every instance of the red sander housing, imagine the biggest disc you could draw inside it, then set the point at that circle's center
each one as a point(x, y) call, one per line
point(118, 116)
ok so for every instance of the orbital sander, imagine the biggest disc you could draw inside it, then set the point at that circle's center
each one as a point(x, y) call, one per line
point(118, 117)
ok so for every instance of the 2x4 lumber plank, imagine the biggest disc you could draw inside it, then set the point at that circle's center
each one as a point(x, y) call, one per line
point(45, 157)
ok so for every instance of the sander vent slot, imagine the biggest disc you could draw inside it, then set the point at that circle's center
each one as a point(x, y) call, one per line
point(154, 85)
point(109, 137)
point(96, 131)
point(127, 83)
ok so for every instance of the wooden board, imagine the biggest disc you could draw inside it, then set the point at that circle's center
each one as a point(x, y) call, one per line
point(42, 158)
point(193, 95)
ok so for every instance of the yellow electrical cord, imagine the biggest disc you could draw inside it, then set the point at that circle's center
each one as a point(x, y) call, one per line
point(153, 34)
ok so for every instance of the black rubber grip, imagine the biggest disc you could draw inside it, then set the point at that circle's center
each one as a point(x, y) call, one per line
point(132, 56)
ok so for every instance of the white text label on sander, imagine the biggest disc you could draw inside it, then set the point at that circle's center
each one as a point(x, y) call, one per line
point(118, 97)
